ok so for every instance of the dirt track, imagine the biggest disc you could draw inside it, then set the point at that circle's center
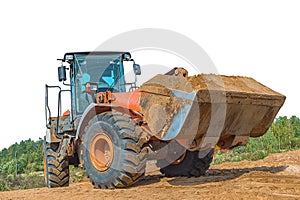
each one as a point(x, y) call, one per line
point(275, 177)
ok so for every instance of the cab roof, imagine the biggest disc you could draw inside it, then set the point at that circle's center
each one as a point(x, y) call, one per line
point(94, 53)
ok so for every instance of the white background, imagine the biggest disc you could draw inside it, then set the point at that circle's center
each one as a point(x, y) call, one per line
point(260, 39)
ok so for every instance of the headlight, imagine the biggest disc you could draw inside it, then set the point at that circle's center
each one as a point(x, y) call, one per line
point(91, 86)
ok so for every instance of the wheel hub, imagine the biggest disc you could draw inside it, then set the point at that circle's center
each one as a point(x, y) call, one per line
point(101, 152)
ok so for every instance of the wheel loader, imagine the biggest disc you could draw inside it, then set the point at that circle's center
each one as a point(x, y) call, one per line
point(113, 126)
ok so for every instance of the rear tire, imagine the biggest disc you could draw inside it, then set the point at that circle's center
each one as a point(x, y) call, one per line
point(194, 164)
point(111, 151)
point(56, 166)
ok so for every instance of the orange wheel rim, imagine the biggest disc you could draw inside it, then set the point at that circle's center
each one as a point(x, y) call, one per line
point(101, 152)
point(180, 159)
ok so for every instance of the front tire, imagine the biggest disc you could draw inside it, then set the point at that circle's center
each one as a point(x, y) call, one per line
point(111, 151)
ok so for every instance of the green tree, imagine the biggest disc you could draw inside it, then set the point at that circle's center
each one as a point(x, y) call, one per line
point(27, 155)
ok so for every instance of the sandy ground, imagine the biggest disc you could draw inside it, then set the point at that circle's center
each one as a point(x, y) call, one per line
point(275, 177)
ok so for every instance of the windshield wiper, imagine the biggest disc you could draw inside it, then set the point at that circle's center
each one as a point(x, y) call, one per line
point(113, 84)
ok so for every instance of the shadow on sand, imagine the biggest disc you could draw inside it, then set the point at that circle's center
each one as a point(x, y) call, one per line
point(212, 175)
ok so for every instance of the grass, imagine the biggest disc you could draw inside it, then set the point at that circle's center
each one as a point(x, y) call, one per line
point(239, 154)
point(34, 180)
point(21, 181)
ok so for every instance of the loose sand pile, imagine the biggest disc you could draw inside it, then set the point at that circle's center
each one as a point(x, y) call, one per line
point(229, 84)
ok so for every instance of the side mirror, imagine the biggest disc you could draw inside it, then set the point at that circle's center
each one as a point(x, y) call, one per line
point(62, 73)
point(137, 69)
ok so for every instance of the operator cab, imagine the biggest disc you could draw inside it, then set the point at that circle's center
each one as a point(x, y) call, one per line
point(94, 72)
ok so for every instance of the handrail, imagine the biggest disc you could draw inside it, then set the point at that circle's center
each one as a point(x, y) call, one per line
point(47, 108)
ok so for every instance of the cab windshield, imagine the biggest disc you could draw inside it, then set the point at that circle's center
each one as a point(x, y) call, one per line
point(104, 71)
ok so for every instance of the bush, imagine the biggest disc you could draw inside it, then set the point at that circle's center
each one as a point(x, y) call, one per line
point(76, 174)
point(24, 181)
point(283, 135)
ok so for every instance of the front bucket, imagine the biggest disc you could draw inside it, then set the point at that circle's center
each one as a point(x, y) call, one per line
point(169, 107)
point(213, 107)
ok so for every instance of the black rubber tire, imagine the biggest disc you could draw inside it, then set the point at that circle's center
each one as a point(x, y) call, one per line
point(194, 164)
point(56, 167)
point(128, 163)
